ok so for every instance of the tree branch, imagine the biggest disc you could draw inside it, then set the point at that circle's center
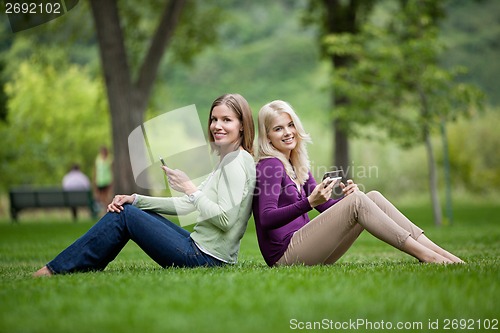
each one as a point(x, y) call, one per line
point(159, 43)
point(112, 49)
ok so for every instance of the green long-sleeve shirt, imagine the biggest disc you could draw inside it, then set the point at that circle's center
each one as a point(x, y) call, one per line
point(224, 206)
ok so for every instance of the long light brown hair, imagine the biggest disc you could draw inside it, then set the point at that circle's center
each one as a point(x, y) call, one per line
point(239, 105)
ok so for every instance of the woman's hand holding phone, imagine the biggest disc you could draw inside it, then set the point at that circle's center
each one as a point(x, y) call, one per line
point(321, 193)
point(179, 181)
point(334, 180)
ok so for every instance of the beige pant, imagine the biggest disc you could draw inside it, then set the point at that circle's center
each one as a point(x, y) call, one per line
point(328, 236)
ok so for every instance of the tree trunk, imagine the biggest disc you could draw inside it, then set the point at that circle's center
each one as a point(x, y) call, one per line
point(342, 150)
point(431, 163)
point(341, 144)
point(340, 17)
point(119, 90)
point(433, 186)
point(447, 173)
point(128, 101)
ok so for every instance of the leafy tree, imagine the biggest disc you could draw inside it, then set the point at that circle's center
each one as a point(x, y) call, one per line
point(130, 58)
point(338, 17)
point(128, 95)
point(471, 32)
point(3, 97)
point(397, 83)
point(46, 132)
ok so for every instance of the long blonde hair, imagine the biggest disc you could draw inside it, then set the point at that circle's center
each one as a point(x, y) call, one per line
point(299, 159)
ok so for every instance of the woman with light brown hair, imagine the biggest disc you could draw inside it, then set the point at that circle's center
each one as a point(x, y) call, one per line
point(222, 201)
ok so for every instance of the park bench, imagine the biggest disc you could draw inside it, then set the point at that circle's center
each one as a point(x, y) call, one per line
point(50, 197)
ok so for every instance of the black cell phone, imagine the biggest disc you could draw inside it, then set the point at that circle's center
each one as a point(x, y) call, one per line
point(162, 161)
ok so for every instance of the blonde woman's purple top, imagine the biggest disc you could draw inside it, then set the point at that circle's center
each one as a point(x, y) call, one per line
point(280, 208)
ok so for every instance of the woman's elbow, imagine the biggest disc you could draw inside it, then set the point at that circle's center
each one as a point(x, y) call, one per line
point(224, 223)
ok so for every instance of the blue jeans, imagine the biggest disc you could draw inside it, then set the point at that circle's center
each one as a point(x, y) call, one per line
point(165, 242)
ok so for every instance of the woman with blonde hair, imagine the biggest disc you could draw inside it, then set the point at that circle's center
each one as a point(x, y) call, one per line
point(286, 191)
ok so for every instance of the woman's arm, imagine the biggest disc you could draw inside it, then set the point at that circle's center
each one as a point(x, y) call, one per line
point(179, 181)
point(309, 188)
point(270, 173)
point(170, 206)
point(164, 205)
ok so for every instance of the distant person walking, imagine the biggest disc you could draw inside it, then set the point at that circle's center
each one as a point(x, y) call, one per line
point(103, 176)
point(75, 180)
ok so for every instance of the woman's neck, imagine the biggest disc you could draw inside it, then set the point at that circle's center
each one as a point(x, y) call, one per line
point(223, 151)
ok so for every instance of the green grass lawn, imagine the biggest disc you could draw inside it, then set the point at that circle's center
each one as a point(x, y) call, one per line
point(373, 284)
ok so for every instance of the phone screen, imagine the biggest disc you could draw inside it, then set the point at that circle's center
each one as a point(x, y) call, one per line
point(332, 174)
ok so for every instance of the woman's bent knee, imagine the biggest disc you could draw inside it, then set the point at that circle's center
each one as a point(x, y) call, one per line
point(130, 214)
point(130, 209)
point(375, 195)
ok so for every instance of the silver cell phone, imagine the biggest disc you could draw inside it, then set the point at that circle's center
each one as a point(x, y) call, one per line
point(333, 175)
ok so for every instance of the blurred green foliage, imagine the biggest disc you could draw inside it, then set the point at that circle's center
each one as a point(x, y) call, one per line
point(474, 153)
point(395, 81)
point(60, 118)
point(471, 32)
point(57, 110)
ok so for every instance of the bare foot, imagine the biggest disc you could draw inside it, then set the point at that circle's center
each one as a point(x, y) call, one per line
point(452, 257)
point(44, 271)
point(434, 247)
point(436, 258)
point(422, 253)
